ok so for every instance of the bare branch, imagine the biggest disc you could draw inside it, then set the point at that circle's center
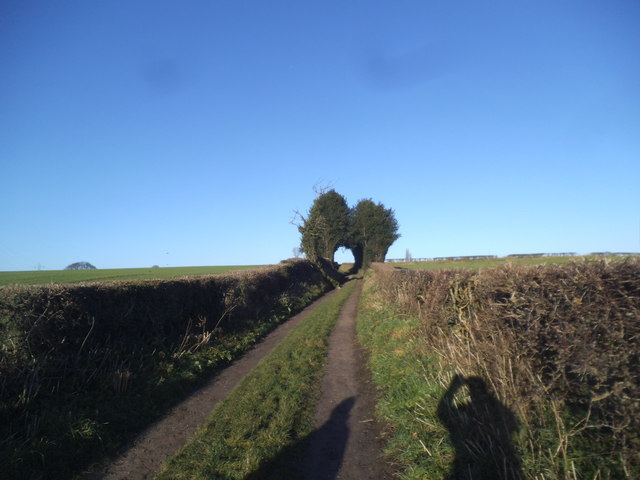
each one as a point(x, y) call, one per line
point(320, 187)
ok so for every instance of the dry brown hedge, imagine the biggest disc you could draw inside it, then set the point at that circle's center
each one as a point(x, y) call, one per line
point(556, 343)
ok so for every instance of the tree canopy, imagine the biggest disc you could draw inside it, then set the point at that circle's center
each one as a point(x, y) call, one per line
point(326, 226)
point(368, 229)
point(80, 266)
point(374, 228)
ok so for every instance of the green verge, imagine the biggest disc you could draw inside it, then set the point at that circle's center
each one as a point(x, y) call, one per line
point(409, 391)
point(43, 277)
point(82, 427)
point(411, 381)
point(259, 431)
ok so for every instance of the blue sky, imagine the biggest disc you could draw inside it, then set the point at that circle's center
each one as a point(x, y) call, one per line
point(187, 133)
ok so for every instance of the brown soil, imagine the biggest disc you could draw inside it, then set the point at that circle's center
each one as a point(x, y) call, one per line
point(162, 440)
point(347, 442)
point(345, 445)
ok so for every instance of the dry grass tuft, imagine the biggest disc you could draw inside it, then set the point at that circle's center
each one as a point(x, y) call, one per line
point(558, 344)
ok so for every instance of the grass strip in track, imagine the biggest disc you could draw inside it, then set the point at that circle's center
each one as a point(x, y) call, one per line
point(409, 391)
point(259, 431)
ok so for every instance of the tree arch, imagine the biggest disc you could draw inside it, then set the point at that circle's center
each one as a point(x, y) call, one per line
point(368, 229)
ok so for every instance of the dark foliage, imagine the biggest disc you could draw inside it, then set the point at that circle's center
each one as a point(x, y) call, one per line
point(373, 230)
point(326, 226)
point(78, 343)
point(368, 229)
point(80, 266)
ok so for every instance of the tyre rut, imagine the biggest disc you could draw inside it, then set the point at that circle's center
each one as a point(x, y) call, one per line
point(347, 442)
point(144, 457)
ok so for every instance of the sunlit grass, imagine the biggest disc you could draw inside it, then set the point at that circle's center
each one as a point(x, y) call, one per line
point(495, 262)
point(39, 277)
point(258, 431)
point(407, 379)
point(422, 329)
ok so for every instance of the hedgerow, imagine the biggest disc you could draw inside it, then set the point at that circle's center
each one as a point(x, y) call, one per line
point(559, 346)
point(82, 366)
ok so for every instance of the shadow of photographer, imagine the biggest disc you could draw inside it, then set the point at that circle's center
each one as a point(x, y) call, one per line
point(317, 456)
point(481, 431)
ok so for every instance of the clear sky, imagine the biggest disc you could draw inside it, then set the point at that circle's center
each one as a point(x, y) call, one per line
point(182, 133)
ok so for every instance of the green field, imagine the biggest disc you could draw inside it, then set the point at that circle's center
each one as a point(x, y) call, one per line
point(494, 262)
point(114, 274)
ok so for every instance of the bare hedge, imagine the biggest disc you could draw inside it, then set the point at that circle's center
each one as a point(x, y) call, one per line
point(559, 344)
point(51, 333)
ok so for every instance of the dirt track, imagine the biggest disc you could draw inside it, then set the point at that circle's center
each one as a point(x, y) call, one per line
point(345, 445)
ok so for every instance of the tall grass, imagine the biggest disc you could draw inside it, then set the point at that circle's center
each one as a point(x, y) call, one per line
point(552, 352)
point(407, 376)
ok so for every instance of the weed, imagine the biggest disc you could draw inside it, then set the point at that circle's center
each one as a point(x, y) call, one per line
point(557, 346)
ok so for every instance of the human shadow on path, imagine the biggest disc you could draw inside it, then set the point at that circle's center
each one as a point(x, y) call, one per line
point(317, 456)
point(481, 432)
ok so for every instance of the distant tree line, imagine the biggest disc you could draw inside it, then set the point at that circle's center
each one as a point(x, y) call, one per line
point(368, 229)
point(80, 266)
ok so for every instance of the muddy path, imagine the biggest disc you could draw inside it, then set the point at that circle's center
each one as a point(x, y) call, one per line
point(347, 442)
point(144, 457)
